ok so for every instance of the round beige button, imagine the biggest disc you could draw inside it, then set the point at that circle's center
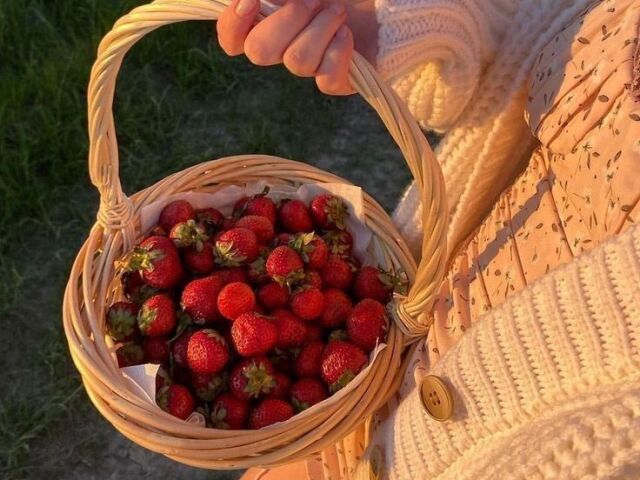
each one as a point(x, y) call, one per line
point(436, 398)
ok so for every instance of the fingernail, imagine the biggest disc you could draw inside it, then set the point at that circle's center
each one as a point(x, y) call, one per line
point(342, 33)
point(312, 4)
point(337, 8)
point(244, 7)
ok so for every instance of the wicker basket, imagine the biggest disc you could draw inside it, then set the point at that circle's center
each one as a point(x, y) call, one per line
point(92, 282)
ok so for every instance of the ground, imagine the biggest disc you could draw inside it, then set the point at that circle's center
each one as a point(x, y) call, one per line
point(179, 101)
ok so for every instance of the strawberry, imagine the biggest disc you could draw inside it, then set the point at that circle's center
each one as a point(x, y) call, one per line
point(210, 218)
point(329, 212)
point(252, 378)
point(207, 352)
point(257, 270)
point(261, 226)
point(207, 385)
point(122, 325)
point(309, 360)
point(200, 261)
point(134, 287)
point(253, 334)
point(273, 296)
point(341, 362)
point(313, 249)
point(156, 349)
point(337, 273)
point(282, 388)
point(372, 282)
point(337, 307)
point(129, 354)
point(294, 216)
point(291, 330)
point(284, 360)
point(236, 246)
point(367, 324)
point(235, 299)
point(158, 261)
point(284, 265)
point(257, 205)
point(268, 412)
point(176, 212)
point(284, 238)
point(306, 392)
point(188, 234)
point(198, 299)
point(179, 348)
point(340, 242)
point(177, 400)
point(158, 230)
point(231, 274)
point(229, 412)
point(313, 278)
point(307, 303)
point(157, 316)
point(314, 332)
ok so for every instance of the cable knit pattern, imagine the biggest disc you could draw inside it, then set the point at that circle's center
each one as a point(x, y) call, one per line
point(547, 385)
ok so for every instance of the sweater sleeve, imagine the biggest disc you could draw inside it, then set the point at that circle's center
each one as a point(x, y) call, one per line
point(433, 52)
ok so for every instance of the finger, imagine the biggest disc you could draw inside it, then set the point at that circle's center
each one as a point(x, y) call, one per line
point(268, 40)
point(332, 76)
point(305, 53)
point(234, 24)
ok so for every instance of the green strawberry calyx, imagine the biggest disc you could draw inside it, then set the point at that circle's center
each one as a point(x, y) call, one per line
point(218, 417)
point(298, 405)
point(140, 259)
point(190, 234)
point(342, 381)
point(337, 212)
point(211, 390)
point(302, 243)
point(259, 380)
point(339, 334)
point(120, 323)
point(227, 255)
point(146, 317)
point(395, 280)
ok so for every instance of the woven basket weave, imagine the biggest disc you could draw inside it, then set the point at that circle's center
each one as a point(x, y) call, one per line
point(93, 280)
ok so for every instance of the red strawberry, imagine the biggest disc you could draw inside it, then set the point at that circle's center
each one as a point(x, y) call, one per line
point(179, 348)
point(329, 212)
point(306, 392)
point(367, 324)
point(177, 400)
point(307, 303)
point(257, 270)
point(261, 226)
point(229, 412)
point(337, 307)
point(292, 331)
point(313, 278)
point(210, 218)
point(273, 296)
point(294, 216)
point(313, 249)
point(282, 388)
point(341, 362)
point(122, 325)
point(198, 299)
point(157, 316)
point(207, 352)
point(236, 246)
point(188, 234)
point(314, 332)
point(253, 334)
point(284, 360)
point(156, 349)
point(374, 283)
point(337, 273)
point(176, 212)
point(284, 265)
point(231, 274)
point(235, 299)
point(257, 205)
point(340, 242)
point(158, 261)
point(284, 238)
point(200, 261)
point(207, 385)
point(309, 359)
point(252, 378)
point(129, 354)
point(134, 287)
point(268, 412)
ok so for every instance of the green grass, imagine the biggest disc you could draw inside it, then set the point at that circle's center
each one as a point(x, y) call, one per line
point(179, 101)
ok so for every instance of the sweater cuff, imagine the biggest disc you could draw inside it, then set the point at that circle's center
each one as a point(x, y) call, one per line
point(433, 52)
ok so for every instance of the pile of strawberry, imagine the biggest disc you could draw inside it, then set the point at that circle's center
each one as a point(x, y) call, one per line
point(254, 317)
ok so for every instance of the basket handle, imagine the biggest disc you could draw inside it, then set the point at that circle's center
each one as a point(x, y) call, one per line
point(117, 211)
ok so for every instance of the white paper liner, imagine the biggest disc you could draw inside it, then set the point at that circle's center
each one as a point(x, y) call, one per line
point(143, 377)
